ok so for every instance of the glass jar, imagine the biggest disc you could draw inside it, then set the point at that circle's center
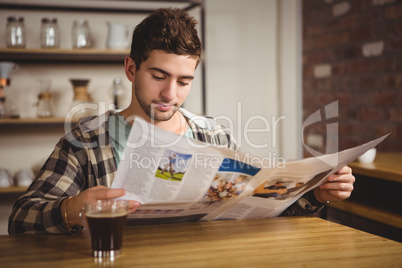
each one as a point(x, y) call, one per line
point(15, 32)
point(81, 34)
point(49, 33)
point(44, 106)
point(8, 109)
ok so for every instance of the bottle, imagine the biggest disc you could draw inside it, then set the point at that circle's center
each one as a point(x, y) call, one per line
point(118, 93)
point(49, 33)
point(81, 34)
point(15, 32)
point(44, 107)
point(3, 111)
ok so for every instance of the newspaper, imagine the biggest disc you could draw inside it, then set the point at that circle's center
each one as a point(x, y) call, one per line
point(181, 179)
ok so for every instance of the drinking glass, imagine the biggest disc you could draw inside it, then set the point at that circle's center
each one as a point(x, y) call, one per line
point(106, 220)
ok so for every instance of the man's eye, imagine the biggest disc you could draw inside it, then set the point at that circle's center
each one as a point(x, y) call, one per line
point(183, 83)
point(157, 77)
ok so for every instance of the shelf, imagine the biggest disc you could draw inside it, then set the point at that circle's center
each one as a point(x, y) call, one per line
point(386, 166)
point(60, 121)
point(369, 212)
point(12, 190)
point(63, 55)
point(122, 6)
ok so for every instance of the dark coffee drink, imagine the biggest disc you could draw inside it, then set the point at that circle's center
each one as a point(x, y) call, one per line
point(106, 229)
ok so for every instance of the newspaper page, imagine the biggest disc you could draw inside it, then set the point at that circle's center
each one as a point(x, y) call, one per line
point(177, 179)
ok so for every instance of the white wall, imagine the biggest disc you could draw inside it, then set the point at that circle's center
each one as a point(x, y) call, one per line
point(290, 78)
point(253, 66)
point(241, 68)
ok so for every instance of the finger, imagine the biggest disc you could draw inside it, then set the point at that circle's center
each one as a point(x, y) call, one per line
point(132, 206)
point(338, 186)
point(339, 195)
point(344, 170)
point(102, 192)
point(333, 195)
point(113, 193)
point(343, 178)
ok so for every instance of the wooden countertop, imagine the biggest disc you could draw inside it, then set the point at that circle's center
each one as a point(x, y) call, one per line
point(278, 242)
point(387, 166)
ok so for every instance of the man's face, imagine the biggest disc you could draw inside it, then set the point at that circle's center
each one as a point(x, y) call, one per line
point(162, 83)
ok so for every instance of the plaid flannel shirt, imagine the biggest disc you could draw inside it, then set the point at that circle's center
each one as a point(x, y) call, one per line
point(83, 158)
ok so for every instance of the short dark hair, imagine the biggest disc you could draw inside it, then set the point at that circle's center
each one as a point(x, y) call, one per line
point(168, 29)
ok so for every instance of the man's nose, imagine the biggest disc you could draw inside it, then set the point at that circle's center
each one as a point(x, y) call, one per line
point(168, 93)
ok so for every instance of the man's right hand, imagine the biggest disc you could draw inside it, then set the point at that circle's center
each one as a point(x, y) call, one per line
point(76, 203)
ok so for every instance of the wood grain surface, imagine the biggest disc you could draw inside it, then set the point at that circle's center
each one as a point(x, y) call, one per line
point(277, 242)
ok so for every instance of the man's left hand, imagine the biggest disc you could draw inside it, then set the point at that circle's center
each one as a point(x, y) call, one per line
point(338, 187)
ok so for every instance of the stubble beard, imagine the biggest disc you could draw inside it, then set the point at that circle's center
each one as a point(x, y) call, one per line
point(157, 115)
point(153, 113)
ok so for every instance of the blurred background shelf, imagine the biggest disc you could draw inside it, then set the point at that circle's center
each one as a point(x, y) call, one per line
point(12, 190)
point(34, 121)
point(63, 55)
point(118, 6)
point(387, 166)
point(375, 203)
point(370, 212)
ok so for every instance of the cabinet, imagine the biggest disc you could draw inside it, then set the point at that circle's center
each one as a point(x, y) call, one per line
point(375, 204)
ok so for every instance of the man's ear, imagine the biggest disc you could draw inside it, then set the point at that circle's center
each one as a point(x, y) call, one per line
point(129, 68)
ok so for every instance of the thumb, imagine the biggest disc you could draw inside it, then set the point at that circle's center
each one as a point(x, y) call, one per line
point(101, 193)
point(111, 193)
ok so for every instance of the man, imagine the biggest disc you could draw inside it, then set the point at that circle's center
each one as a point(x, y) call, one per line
point(165, 52)
point(169, 166)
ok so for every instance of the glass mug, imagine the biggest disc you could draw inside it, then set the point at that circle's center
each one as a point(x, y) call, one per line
point(106, 220)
